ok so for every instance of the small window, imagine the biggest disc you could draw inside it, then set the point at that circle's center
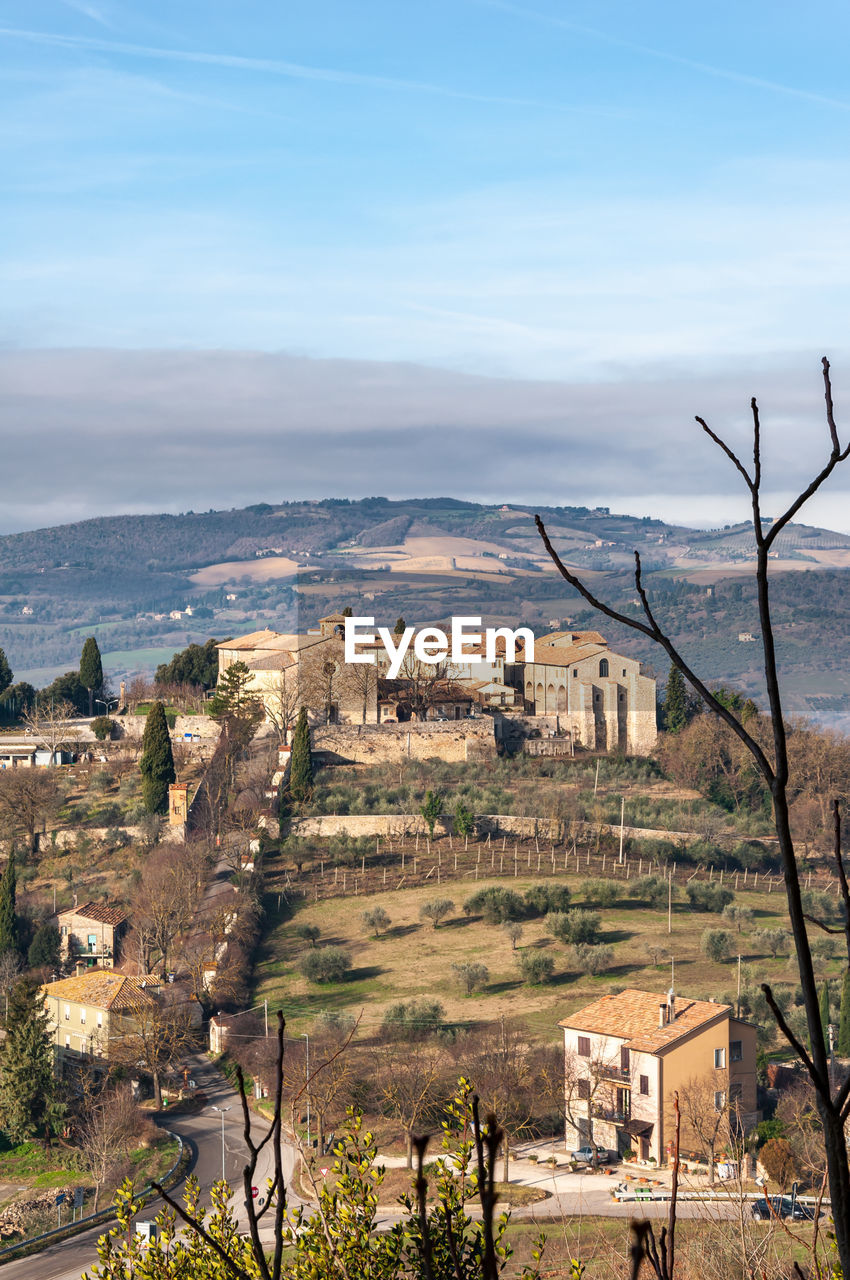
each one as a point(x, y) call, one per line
point(575, 675)
point(67, 1013)
point(624, 1058)
point(644, 1086)
point(584, 1090)
point(719, 1058)
point(584, 1046)
point(67, 1042)
point(624, 670)
point(82, 1017)
point(736, 1051)
point(603, 667)
point(92, 941)
point(64, 931)
point(100, 1018)
point(622, 697)
point(719, 1100)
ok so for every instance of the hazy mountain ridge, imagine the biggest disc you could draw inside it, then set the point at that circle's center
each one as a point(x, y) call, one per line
point(119, 577)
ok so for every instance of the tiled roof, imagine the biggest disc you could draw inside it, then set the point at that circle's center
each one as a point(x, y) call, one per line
point(566, 655)
point(632, 1016)
point(100, 912)
point(270, 661)
point(571, 637)
point(104, 989)
point(250, 641)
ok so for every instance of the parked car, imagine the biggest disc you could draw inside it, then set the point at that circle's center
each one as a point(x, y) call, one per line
point(586, 1155)
point(782, 1207)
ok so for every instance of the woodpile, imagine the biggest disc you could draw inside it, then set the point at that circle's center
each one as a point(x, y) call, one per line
point(17, 1218)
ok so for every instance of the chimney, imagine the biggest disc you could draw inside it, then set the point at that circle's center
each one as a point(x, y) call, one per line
point(662, 1014)
point(671, 1005)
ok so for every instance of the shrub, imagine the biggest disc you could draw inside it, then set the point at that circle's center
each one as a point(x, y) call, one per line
point(592, 959)
point(375, 920)
point(102, 727)
point(309, 933)
point(325, 964)
point(414, 1019)
point(536, 967)
point(708, 897)
point(496, 905)
point(575, 926)
point(44, 948)
point(777, 1160)
point(464, 823)
point(738, 916)
point(653, 890)
point(773, 940)
point(716, 944)
point(542, 898)
point(601, 893)
point(471, 976)
point(436, 910)
point(514, 931)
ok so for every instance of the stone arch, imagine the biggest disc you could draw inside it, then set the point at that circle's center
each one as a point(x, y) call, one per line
point(550, 698)
point(562, 697)
point(538, 699)
point(603, 667)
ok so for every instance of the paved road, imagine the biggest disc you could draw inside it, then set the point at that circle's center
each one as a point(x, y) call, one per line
point(202, 1132)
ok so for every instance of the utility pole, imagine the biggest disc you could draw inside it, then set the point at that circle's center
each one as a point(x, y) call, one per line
point(596, 781)
point(622, 818)
point(738, 998)
point(670, 901)
point(266, 1015)
point(306, 1037)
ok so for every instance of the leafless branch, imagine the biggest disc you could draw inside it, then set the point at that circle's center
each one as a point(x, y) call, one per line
point(796, 1044)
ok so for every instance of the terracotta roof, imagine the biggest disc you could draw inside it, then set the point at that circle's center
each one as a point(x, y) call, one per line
point(271, 661)
point(564, 656)
point(98, 911)
point(104, 989)
point(250, 641)
point(571, 637)
point(632, 1016)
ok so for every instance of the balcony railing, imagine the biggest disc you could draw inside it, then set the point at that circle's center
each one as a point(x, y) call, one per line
point(621, 1074)
point(611, 1114)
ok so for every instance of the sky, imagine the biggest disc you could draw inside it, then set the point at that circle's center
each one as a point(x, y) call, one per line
point(496, 250)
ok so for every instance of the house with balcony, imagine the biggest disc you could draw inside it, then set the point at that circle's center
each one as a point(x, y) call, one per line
point(88, 1013)
point(628, 1054)
point(92, 933)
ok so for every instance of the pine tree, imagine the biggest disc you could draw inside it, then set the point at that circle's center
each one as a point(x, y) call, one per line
point(675, 702)
point(91, 669)
point(233, 696)
point(825, 1017)
point(9, 940)
point(6, 676)
point(843, 1045)
point(400, 627)
point(157, 762)
point(28, 1105)
point(348, 612)
point(301, 767)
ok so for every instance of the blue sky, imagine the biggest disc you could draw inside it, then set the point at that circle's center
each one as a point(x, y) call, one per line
point(551, 192)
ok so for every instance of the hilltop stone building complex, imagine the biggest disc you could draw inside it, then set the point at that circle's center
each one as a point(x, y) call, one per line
point(581, 690)
point(601, 698)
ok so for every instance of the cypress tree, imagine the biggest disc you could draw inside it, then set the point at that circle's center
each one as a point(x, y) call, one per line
point(8, 918)
point(301, 767)
point(400, 627)
point(91, 669)
point(157, 762)
point(6, 676)
point(825, 1018)
point(843, 1045)
point(675, 702)
point(28, 1105)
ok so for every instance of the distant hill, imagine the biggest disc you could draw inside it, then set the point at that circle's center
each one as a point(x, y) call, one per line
point(121, 577)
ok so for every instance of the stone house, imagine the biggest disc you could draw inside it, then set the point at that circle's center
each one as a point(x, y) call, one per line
point(601, 698)
point(92, 933)
point(627, 1054)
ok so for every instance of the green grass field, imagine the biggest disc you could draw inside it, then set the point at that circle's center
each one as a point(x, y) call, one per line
point(414, 959)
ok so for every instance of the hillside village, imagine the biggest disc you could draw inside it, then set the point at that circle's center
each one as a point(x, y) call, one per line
point(194, 897)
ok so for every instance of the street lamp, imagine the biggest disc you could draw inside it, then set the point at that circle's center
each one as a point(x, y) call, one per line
point(305, 1036)
point(106, 705)
point(222, 1110)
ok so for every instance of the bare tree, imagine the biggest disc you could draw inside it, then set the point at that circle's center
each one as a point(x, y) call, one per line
point(50, 724)
point(409, 1084)
point(705, 1114)
point(155, 1035)
point(833, 1106)
point(28, 797)
point(108, 1123)
point(164, 904)
point(282, 701)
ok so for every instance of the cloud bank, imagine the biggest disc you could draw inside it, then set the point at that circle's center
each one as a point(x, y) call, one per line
point(94, 432)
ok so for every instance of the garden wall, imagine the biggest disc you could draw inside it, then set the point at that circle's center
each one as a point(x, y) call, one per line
point(387, 743)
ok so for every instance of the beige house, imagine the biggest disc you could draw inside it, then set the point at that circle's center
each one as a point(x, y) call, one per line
point(601, 698)
point(290, 671)
point(89, 1013)
point(92, 933)
point(626, 1055)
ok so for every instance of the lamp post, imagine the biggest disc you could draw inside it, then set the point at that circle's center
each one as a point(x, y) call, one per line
point(99, 702)
point(306, 1037)
point(222, 1111)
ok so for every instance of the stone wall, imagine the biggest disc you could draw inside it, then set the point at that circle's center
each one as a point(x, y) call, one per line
point(398, 824)
point(387, 743)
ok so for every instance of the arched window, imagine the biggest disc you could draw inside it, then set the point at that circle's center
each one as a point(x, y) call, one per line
point(603, 666)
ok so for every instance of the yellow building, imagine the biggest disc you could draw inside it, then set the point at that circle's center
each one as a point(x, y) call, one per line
point(626, 1055)
point(89, 1013)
